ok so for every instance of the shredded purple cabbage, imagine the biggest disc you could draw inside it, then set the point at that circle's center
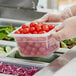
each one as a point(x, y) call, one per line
point(17, 71)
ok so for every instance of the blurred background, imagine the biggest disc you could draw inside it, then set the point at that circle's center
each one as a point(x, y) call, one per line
point(30, 10)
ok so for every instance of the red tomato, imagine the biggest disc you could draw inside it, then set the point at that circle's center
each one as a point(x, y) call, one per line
point(42, 49)
point(42, 32)
point(28, 48)
point(34, 50)
point(20, 30)
point(30, 43)
point(17, 32)
point(37, 45)
point(38, 53)
point(45, 27)
point(46, 53)
point(22, 44)
point(38, 28)
point(44, 44)
point(24, 26)
point(51, 27)
point(35, 32)
point(32, 24)
point(32, 29)
point(26, 53)
point(26, 30)
point(32, 54)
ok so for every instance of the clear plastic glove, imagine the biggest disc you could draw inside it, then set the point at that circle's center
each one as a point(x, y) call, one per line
point(67, 30)
point(56, 17)
point(49, 17)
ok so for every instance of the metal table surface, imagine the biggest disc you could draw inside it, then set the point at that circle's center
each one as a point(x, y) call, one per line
point(58, 63)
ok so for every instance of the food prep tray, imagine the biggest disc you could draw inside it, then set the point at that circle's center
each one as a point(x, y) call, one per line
point(4, 44)
point(5, 75)
point(35, 45)
point(23, 63)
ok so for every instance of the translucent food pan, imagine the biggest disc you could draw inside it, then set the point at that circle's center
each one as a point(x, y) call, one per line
point(36, 45)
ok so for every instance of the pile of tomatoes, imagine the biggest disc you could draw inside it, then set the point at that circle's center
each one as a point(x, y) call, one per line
point(35, 28)
point(37, 49)
point(36, 46)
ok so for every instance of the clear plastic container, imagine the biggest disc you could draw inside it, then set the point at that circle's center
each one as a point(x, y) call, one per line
point(36, 45)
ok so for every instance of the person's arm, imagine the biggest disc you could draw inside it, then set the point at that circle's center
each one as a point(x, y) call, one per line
point(67, 31)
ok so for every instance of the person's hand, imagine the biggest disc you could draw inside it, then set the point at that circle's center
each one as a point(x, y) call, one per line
point(67, 30)
point(58, 16)
point(49, 17)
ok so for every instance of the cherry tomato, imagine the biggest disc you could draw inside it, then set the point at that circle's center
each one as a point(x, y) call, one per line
point(42, 32)
point(32, 54)
point(28, 48)
point(32, 29)
point(21, 44)
point(30, 43)
point(26, 53)
point(32, 24)
point(17, 32)
point(45, 27)
point(44, 44)
point(35, 32)
point(26, 30)
point(42, 49)
point(51, 27)
point(24, 26)
point(38, 54)
point(38, 28)
point(34, 50)
point(37, 45)
point(20, 30)
point(46, 53)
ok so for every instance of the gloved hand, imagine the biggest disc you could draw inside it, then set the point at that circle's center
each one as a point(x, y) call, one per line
point(56, 17)
point(49, 17)
point(67, 30)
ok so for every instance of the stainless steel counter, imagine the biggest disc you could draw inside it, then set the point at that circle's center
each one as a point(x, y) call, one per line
point(57, 64)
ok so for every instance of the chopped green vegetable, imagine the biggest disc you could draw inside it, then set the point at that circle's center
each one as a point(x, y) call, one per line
point(2, 35)
point(69, 43)
point(4, 31)
point(63, 45)
point(4, 49)
point(8, 49)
